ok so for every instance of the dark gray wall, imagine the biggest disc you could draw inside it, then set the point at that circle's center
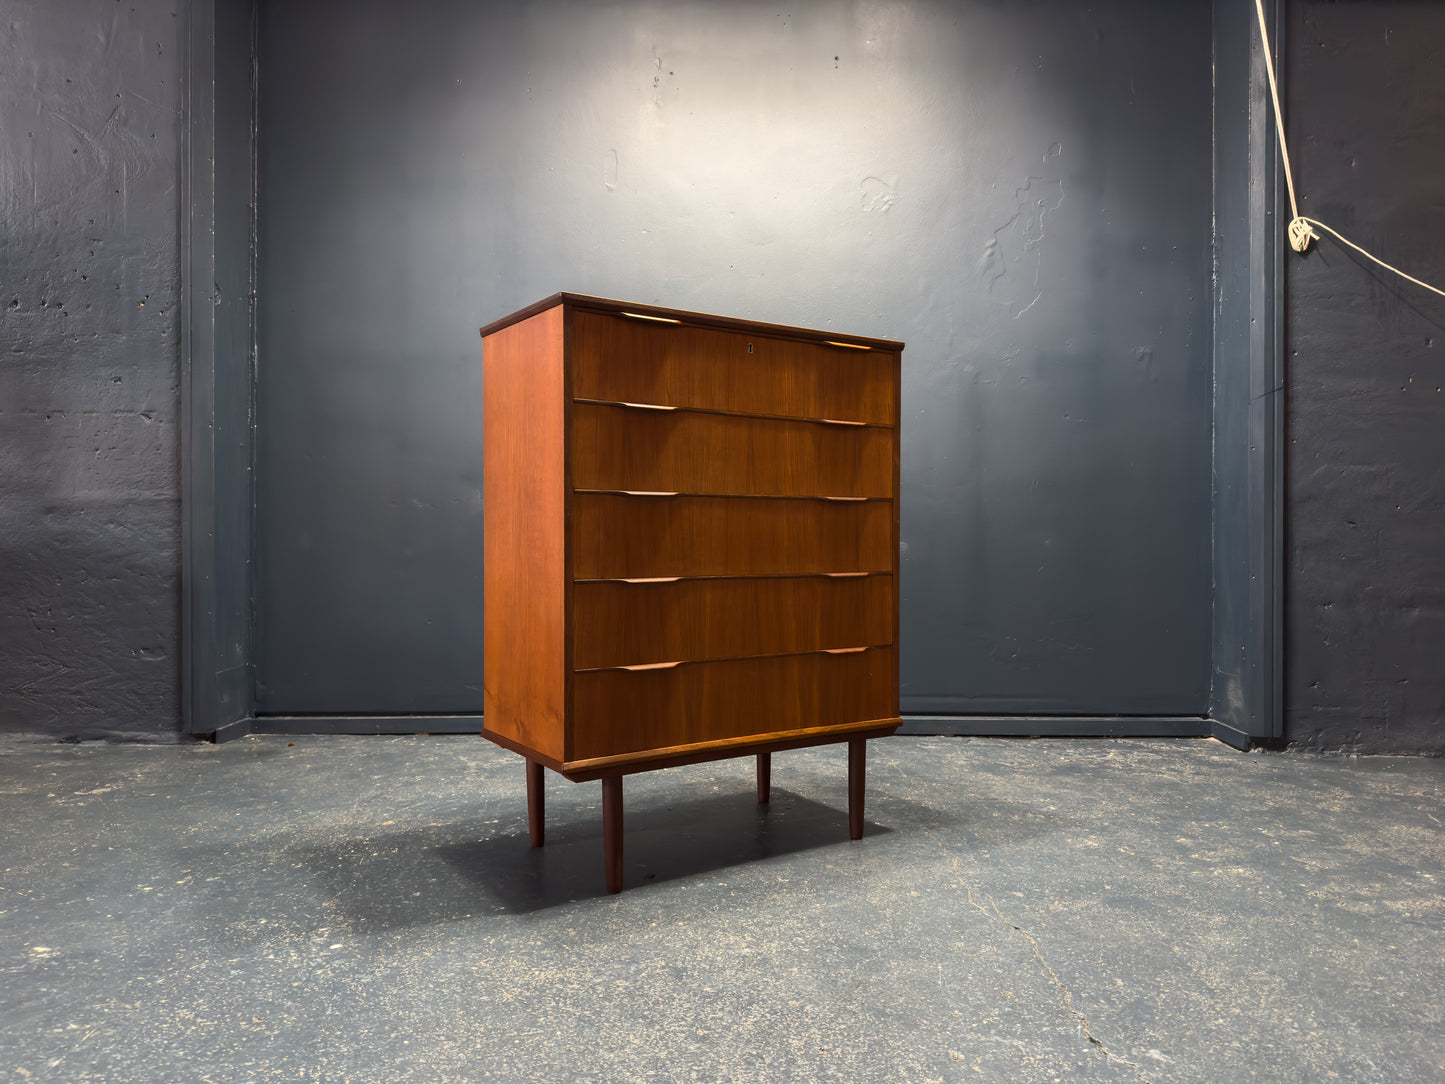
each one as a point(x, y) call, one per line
point(1022, 192)
point(90, 125)
point(1366, 363)
point(218, 300)
point(89, 562)
point(1245, 697)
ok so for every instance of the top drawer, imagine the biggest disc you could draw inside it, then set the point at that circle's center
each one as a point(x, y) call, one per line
point(634, 361)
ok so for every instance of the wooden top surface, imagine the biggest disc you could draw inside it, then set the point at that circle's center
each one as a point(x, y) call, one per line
point(698, 319)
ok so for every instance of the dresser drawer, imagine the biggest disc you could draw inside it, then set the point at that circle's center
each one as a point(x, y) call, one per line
point(615, 536)
point(620, 624)
point(618, 447)
point(637, 361)
point(623, 711)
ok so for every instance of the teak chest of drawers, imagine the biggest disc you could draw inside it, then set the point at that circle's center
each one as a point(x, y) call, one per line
point(691, 543)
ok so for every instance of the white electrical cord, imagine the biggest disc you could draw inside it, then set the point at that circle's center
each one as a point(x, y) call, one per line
point(1301, 231)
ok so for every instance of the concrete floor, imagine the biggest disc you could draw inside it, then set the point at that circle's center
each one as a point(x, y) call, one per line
point(368, 909)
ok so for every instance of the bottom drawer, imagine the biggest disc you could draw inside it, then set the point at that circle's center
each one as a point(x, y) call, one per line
point(628, 711)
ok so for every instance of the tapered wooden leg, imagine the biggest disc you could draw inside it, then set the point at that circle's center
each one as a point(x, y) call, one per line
point(612, 831)
point(536, 803)
point(857, 767)
point(765, 777)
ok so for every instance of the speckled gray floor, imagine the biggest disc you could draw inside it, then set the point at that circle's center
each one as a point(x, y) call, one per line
point(368, 909)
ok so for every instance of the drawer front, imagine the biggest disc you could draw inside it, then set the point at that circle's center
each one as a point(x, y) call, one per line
point(615, 447)
point(624, 624)
point(616, 536)
point(635, 361)
point(622, 711)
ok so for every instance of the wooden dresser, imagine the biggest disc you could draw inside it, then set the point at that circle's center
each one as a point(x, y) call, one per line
point(691, 532)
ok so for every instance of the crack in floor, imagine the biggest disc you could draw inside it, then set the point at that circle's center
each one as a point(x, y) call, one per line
point(1053, 975)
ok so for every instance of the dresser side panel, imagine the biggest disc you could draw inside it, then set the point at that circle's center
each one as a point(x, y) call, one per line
point(524, 515)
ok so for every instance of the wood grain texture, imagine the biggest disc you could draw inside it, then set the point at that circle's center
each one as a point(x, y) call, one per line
point(618, 536)
point(895, 362)
point(633, 361)
point(587, 302)
point(857, 776)
point(536, 804)
point(612, 832)
point(618, 712)
point(760, 502)
point(617, 624)
point(650, 760)
point(616, 447)
point(525, 577)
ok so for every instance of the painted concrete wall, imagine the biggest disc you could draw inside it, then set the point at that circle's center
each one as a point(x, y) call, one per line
point(1021, 192)
point(1366, 365)
point(89, 480)
point(90, 130)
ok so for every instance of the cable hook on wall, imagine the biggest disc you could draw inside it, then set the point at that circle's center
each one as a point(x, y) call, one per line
point(1302, 229)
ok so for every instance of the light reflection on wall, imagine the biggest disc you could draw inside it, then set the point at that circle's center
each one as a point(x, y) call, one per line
point(1021, 191)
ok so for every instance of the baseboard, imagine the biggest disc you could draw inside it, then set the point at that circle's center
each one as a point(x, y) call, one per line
point(1044, 726)
point(367, 724)
point(230, 732)
point(1060, 726)
point(1229, 735)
